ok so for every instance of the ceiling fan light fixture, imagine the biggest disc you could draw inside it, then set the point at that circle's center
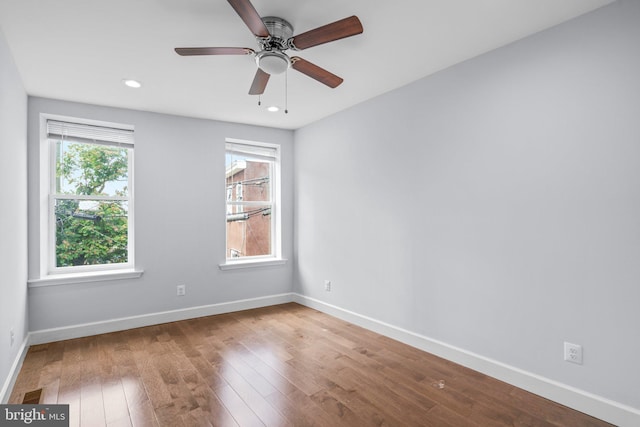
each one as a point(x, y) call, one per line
point(272, 62)
point(273, 108)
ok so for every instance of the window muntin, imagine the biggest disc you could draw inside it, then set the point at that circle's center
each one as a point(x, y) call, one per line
point(251, 179)
point(90, 208)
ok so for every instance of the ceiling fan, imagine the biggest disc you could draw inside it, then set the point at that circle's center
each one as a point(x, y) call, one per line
point(274, 36)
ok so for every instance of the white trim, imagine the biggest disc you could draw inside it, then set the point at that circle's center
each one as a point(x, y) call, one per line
point(250, 149)
point(44, 155)
point(48, 270)
point(121, 324)
point(88, 277)
point(7, 387)
point(580, 400)
point(235, 265)
point(91, 197)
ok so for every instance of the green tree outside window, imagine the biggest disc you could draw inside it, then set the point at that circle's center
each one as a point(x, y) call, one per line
point(91, 206)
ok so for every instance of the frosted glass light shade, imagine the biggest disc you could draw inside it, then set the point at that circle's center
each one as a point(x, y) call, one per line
point(272, 62)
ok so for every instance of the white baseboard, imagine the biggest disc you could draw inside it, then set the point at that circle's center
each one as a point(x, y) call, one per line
point(597, 406)
point(88, 329)
point(7, 387)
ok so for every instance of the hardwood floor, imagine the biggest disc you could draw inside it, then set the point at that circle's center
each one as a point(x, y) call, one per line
point(286, 365)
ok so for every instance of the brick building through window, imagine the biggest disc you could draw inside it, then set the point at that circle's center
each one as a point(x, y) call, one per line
point(248, 222)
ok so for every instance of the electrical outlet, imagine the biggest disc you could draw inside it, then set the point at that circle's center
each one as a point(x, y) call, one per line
point(12, 336)
point(327, 285)
point(573, 353)
point(181, 290)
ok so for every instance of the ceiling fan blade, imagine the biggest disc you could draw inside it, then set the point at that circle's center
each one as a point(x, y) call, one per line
point(188, 51)
point(346, 27)
point(250, 16)
point(259, 83)
point(315, 72)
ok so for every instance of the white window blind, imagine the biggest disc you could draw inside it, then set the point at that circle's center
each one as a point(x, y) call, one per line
point(87, 134)
point(256, 151)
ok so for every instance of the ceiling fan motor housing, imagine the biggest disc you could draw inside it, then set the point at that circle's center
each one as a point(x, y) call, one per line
point(280, 30)
point(272, 59)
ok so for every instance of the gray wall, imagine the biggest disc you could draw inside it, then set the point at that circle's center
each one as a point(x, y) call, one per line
point(13, 210)
point(180, 223)
point(494, 206)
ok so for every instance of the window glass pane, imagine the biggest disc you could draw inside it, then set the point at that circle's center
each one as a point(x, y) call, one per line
point(91, 232)
point(248, 179)
point(249, 231)
point(90, 169)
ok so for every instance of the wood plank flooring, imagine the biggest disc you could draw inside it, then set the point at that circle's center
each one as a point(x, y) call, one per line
point(286, 365)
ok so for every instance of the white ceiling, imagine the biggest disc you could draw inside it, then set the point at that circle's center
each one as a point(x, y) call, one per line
point(80, 50)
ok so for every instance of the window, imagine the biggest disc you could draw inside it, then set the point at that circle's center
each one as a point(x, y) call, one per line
point(252, 197)
point(89, 214)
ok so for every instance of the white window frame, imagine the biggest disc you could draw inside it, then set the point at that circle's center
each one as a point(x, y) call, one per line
point(49, 272)
point(275, 258)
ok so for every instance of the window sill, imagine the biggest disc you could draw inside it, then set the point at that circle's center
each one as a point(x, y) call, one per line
point(235, 265)
point(96, 276)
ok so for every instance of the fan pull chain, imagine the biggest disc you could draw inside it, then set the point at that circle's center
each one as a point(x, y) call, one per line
point(259, 100)
point(286, 92)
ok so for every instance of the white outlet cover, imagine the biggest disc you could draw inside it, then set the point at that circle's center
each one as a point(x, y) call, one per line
point(573, 353)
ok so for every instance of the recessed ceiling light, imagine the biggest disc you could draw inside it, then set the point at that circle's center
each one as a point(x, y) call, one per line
point(273, 108)
point(132, 83)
